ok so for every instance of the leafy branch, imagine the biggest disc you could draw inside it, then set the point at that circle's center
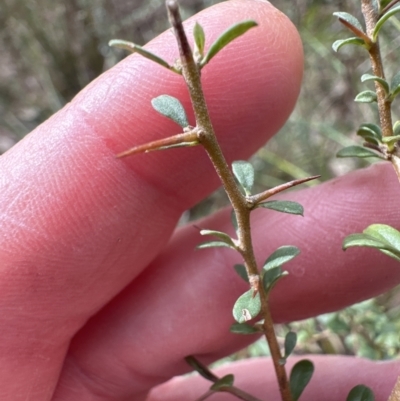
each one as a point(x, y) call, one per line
point(238, 182)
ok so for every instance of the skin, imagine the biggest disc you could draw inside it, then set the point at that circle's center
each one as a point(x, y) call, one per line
point(101, 298)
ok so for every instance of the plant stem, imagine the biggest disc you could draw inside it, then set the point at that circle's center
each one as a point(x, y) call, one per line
point(384, 106)
point(207, 138)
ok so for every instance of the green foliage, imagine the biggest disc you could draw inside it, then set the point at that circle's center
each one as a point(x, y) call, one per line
point(247, 306)
point(357, 151)
point(370, 133)
point(222, 236)
point(172, 108)
point(199, 368)
point(215, 244)
point(300, 376)
point(281, 256)
point(283, 206)
point(380, 236)
point(350, 19)
point(350, 41)
point(242, 272)
point(383, 82)
point(272, 276)
point(290, 343)
point(244, 173)
point(360, 393)
point(199, 39)
point(226, 37)
point(223, 383)
point(366, 97)
point(134, 48)
point(243, 328)
point(382, 21)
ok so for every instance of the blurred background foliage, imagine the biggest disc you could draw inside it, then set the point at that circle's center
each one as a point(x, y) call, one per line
point(51, 49)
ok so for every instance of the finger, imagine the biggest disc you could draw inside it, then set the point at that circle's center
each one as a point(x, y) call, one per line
point(333, 378)
point(74, 217)
point(182, 303)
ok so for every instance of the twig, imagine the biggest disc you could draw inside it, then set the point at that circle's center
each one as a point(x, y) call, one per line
point(207, 138)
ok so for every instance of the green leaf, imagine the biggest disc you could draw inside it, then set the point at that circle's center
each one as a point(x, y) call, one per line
point(386, 234)
point(214, 244)
point(290, 343)
point(350, 19)
point(282, 255)
point(226, 37)
point(380, 236)
point(360, 393)
point(283, 206)
point(244, 173)
point(300, 376)
point(242, 272)
point(172, 108)
point(370, 133)
point(223, 383)
point(134, 48)
point(247, 307)
point(383, 82)
point(394, 86)
point(391, 139)
point(199, 38)
point(396, 128)
point(357, 151)
point(222, 236)
point(350, 41)
point(382, 20)
point(243, 328)
point(199, 368)
point(272, 276)
point(366, 97)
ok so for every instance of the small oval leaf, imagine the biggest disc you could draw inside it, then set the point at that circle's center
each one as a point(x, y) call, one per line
point(383, 82)
point(394, 86)
point(300, 376)
point(134, 48)
point(172, 108)
point(223, 383)
point(199, 368)
point(199, 38)
point(360, 393)
point(243, 328)
point(272, 276)
point(370, 133)
point(382, 20)
point(283, 206)
point(350, 19)
point(214, 244)
point(371, 239)
point(247, 307)
point(222, 236)
point(242, 272)
point(384, 233)
point(350, 41)
point(244, 173)
point(290, 343)
point(282, 255)
point(396, 128)
point(226, 37)
point(357, 151)
point(366, 97)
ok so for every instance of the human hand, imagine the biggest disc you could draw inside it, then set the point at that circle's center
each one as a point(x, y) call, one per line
point(97, 301)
